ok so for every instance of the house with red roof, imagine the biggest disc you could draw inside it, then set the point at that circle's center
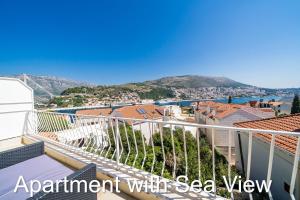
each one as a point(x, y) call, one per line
point(215, 113)
point(141, 113)
point(284, 153)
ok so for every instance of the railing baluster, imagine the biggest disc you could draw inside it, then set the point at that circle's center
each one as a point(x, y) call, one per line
point(144, 148)
point(213, 157)
point(114, 137)
point(249, 160)
point(152, 144)
point(97, 141)
point(54, 123)
point(91, 137)
point(107, 135)
point(229, 158)
point(80, 139)
point(102, 130)
point(121, 145)
point(185, 152)
point(135, 144)
point(95, 135)
point(295, 169)
point(162, 149)
point(198, 153)
point(42, 125)
point(64, 128)
point(128, 144)
point(85, 133)
point(270, 164)
point(104, 142)
point(117, 142)
point(72, 118)
point(51, 125)
point(174, 153)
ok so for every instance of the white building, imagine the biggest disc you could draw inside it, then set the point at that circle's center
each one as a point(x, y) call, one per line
point(226, 115)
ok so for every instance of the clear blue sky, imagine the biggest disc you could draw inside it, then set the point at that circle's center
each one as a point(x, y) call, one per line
point(118, 41)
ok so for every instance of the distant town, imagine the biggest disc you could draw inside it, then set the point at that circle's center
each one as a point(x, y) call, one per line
point(84, 97)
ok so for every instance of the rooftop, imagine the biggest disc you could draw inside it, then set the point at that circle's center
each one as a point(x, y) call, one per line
point(223, 110)
point(95, 112)
point(285, 123)
point(147, 111)
point(262, 113)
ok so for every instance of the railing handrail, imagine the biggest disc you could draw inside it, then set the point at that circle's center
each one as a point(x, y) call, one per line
point(106, 142)
point(276, 132)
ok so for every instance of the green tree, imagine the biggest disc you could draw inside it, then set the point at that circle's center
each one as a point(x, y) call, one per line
point(296, 105)
point(230, 99)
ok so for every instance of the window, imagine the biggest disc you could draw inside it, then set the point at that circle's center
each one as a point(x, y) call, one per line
point(141, 110)
point(286, 187)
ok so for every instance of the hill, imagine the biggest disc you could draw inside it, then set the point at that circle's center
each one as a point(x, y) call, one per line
point(194, 81)
point(53, 85)
point(45, 86)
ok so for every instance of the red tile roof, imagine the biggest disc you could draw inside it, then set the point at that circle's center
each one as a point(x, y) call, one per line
point(221, 109)
point(267, 109)
point(259, 112)
point(147, 111)
point(285, 123)
point(95, 112)
point(224, 113)
point(213, 104)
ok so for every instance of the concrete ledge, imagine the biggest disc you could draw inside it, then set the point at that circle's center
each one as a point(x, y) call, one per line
point(10, 143)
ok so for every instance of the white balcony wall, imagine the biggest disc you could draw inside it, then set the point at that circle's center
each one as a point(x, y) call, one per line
point(16, 100)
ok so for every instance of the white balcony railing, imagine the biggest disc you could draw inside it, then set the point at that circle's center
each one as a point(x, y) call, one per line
point(166, 149)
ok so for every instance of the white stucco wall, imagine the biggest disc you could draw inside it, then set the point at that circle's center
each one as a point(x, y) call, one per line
point(15, 99)
point(146, 129)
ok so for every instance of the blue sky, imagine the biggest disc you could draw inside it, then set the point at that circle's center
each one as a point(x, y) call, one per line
point(116, 41)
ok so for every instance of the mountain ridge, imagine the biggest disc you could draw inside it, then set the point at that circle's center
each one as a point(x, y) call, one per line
point(196, 81)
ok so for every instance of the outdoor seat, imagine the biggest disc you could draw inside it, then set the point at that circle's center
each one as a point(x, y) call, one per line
point(31, 163)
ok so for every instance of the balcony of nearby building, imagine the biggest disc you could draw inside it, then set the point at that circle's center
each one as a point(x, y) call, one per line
point(146, 149)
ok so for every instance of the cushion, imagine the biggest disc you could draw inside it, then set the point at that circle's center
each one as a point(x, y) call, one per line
point(40, 168)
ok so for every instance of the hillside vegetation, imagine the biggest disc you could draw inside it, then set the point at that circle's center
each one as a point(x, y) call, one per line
point(141, 90)
point(194, 81)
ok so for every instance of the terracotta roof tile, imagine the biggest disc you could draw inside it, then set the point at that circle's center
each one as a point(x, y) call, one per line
point(225, 113)
point(267, 109)
point(95, 112)
point(259, 112)
point(221, 109)
point(285, 123)
point(147, 111)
